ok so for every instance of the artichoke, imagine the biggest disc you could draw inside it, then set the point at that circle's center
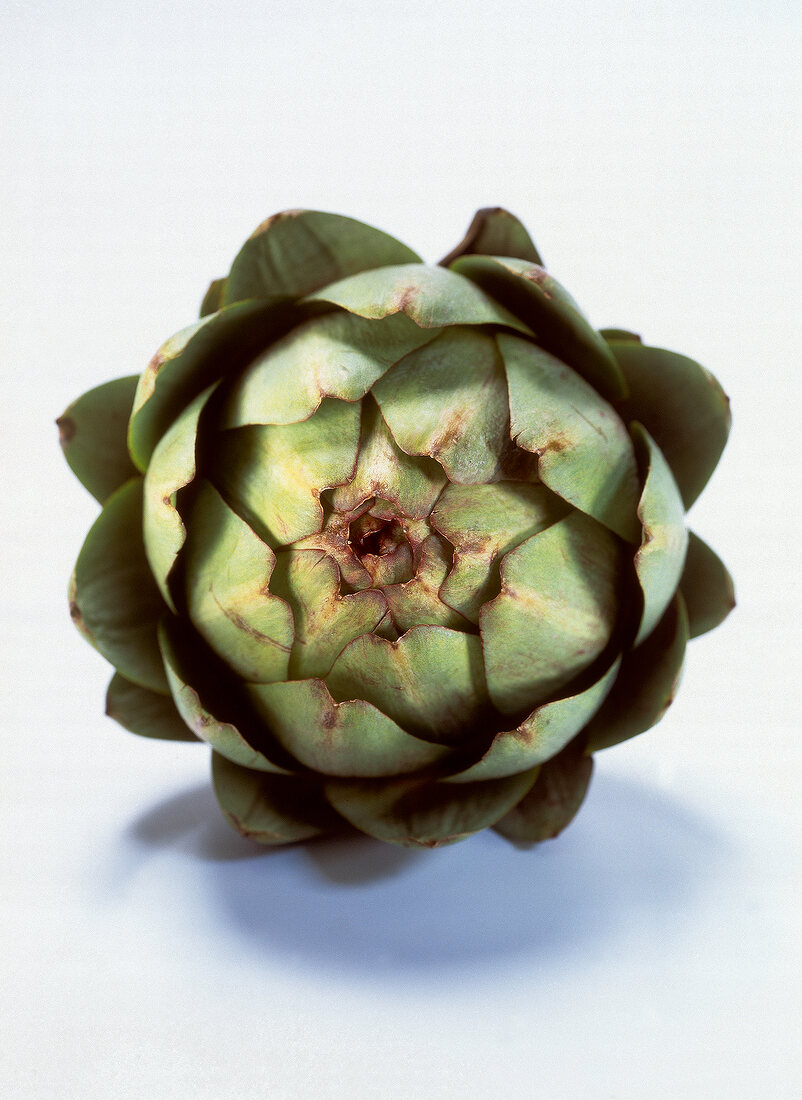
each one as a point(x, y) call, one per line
point(405, 544)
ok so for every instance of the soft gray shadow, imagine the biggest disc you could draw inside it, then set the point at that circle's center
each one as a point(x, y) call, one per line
point(634, 858)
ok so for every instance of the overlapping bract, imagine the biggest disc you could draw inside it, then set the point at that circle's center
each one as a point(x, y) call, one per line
point(405, 544)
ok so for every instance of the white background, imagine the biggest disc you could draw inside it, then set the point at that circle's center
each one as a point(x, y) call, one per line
point(653, 149)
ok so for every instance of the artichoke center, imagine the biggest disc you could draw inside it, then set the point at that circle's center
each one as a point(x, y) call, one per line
point(381, 545)
point(374, 537)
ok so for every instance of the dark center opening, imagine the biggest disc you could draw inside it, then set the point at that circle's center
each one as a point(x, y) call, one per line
point(377, 537)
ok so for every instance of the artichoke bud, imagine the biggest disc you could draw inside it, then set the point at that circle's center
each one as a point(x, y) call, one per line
point(404, 544)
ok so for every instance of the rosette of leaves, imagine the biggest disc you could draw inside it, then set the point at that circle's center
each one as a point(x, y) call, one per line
point(404, 544)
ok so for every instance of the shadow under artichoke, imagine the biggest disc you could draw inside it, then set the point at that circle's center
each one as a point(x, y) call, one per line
point(353, 904)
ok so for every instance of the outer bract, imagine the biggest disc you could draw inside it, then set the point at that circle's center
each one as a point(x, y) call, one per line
point(404, 544)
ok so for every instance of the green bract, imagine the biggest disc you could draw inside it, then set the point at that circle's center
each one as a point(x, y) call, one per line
point(405, 544)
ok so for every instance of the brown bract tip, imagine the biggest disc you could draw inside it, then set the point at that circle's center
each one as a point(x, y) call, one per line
point(268, 222)
point(554, 445)
point(405, 298)
point(66, 430)
point(78, 620)
point(538, 275)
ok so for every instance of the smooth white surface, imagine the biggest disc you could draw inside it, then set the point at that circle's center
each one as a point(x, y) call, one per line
point(653, 149)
